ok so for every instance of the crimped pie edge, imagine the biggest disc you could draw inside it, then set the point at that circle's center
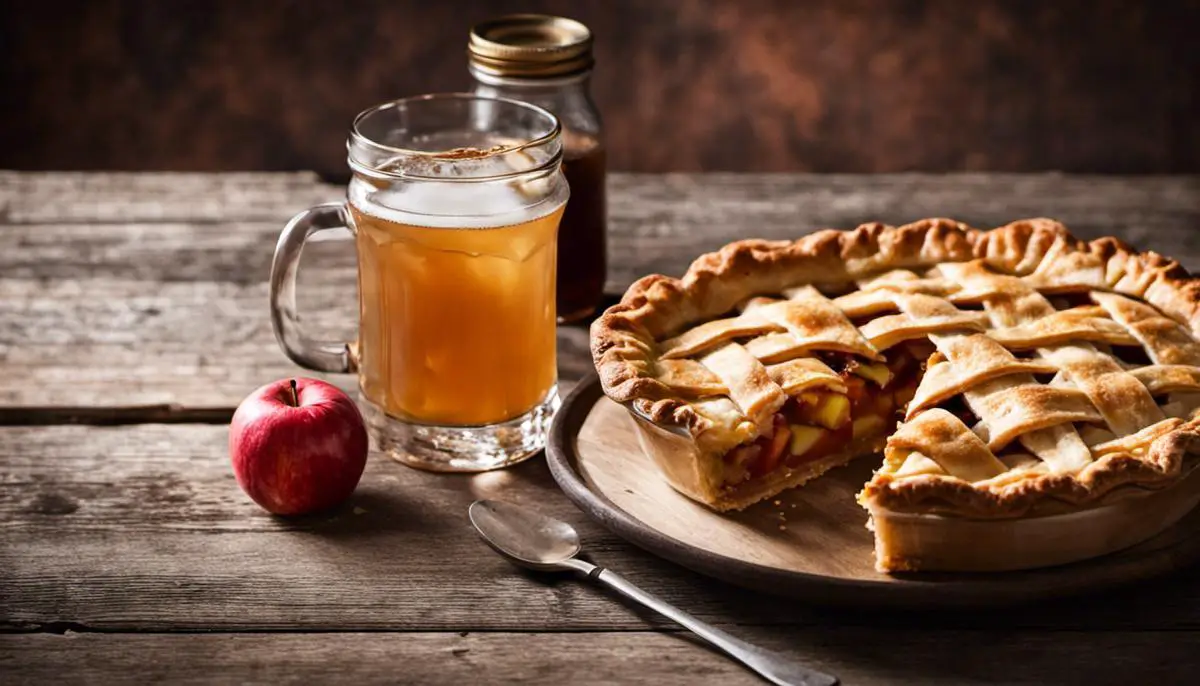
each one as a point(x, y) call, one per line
point(623, 337)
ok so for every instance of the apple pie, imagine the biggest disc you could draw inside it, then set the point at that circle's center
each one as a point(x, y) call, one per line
point(1035, 397)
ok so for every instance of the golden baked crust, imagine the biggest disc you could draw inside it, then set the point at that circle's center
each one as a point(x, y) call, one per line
point(935, 463)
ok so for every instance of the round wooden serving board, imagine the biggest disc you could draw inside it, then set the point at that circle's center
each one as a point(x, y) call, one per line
point(810, 542)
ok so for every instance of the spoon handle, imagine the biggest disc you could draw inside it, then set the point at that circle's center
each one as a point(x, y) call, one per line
point(776, 668)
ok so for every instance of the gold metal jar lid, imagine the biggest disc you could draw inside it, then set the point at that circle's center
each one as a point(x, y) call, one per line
point(530, 46)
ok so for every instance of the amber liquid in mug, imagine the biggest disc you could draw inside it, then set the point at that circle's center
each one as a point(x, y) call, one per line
point(457, 320)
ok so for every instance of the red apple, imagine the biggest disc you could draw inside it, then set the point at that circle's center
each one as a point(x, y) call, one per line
point(298, 445)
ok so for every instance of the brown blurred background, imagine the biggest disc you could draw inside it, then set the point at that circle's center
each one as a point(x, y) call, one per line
point(750, 85)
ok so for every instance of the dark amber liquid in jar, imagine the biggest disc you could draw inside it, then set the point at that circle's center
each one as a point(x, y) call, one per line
point(582, 262)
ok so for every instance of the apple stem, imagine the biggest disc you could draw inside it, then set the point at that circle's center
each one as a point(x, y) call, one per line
point(295, 395)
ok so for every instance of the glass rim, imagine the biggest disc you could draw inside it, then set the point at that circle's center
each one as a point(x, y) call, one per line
point(357, 137)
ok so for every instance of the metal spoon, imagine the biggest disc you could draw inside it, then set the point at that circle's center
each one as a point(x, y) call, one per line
point(546, 544)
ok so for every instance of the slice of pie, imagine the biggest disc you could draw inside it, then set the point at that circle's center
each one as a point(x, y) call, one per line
point(1035, 397)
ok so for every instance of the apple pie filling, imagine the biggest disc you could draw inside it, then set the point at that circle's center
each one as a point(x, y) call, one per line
point(855, 413)
point(1065, 381)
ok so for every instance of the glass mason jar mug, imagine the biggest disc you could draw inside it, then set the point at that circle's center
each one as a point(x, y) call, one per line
point(454, 202)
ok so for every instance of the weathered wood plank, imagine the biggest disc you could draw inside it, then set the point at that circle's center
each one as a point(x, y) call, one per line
point(148, 289)
point(99, 198)
point(144, 528)
point(117, 343)
point(168, 304)
point(106, 197)
point(665, 223)
point(658, 223)
point(65, 378)
point(858, 656)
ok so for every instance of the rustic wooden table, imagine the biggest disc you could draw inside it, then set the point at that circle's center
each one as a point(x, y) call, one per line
point(133, 320)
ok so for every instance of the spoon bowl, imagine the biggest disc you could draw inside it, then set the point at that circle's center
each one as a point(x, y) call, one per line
point(535, 541)
point(525, 537)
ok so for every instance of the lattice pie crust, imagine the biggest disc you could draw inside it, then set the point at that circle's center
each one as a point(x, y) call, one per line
point(1056, 376)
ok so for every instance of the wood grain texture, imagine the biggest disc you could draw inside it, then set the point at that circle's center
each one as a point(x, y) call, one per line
point(860, 657)
point(696, 85)
point(122, 290)
point(119, 342)
point(119, 291)
point(143, 528)
point(186, 227)
point(164, 197)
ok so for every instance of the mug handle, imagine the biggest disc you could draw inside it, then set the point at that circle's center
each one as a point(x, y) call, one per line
point(321, 356)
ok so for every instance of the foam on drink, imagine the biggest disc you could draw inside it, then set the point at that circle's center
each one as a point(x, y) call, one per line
point(450, 205)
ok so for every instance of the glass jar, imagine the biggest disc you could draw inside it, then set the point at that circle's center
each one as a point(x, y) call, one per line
point(547, 61)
